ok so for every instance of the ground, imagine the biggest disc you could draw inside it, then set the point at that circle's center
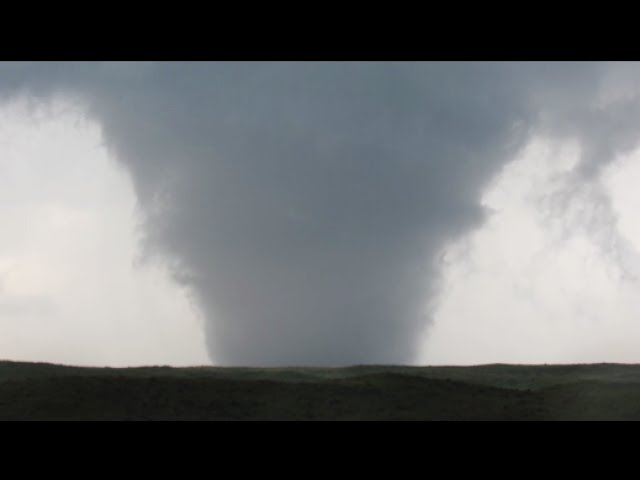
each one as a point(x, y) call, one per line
point(32, 391)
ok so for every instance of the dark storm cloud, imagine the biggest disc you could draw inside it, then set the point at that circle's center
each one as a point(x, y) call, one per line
point(304, 203)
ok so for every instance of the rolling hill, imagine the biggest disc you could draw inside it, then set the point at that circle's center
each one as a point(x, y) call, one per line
point(35, 391)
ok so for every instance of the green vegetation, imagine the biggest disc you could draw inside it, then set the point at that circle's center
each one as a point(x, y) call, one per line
point(32, 391)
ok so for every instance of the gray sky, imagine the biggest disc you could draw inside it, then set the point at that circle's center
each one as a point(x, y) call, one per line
point(319, 213)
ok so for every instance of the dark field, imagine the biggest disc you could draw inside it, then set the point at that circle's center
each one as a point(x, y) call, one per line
point(30, 391)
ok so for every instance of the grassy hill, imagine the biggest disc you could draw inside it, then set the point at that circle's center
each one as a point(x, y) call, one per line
point(33, 391)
